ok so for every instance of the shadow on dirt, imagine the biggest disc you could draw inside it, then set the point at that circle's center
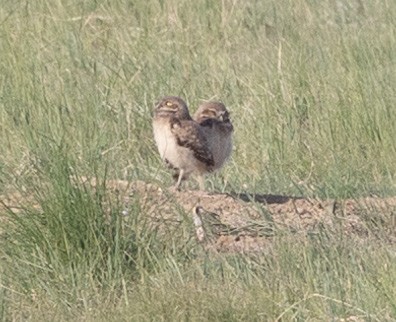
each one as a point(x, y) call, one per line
point(264, 199)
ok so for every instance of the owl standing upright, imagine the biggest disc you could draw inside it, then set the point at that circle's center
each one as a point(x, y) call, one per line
point(181, 141)
point(214, 119)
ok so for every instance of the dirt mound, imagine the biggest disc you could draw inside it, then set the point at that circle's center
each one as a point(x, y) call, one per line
point(245, 222)
point(249, 222)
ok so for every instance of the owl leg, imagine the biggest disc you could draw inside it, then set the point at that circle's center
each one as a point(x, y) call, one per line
point(201, 182)
point(179, 180)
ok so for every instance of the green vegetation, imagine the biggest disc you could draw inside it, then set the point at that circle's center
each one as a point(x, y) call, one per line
point(311, 88)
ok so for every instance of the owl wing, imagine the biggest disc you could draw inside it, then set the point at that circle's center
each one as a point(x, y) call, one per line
point(189, 135)
point(225, 126)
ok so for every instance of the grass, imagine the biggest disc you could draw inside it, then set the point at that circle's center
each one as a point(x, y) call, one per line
point(310, 86)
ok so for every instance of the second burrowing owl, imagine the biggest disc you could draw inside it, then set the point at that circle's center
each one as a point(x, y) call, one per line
point(181, 142)
point(214, 119)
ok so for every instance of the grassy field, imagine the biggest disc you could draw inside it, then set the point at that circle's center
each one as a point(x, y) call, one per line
point(311, 89)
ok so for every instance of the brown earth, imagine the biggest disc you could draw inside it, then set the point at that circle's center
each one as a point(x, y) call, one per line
point(247, 222)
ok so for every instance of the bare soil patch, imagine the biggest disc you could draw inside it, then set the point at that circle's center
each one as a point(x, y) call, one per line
point(246, 222)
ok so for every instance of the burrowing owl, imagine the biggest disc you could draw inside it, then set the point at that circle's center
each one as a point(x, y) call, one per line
point(181, 141)
point(214, 119)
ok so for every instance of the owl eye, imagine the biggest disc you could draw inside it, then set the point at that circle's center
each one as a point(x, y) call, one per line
point(168, 103)
point(210, 113)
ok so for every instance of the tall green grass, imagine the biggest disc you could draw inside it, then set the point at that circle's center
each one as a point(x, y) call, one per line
point(310, 85)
